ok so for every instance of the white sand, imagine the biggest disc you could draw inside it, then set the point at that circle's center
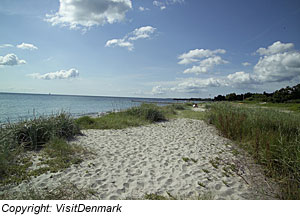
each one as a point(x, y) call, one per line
point(131, 162)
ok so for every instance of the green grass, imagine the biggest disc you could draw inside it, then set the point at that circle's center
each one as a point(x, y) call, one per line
point(169, 196)
point(138, 116)
point(186, 159)
point(47, 137)
point(271, 136)
point(288, 106)
point(64, 191)
point(54, 157)
point(189, 113)
point(133, 117)
point(44, 135)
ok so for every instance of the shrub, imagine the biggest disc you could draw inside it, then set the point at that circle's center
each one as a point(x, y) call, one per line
point(149, 112)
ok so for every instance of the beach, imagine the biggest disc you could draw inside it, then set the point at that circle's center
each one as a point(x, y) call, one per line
point(184, 158)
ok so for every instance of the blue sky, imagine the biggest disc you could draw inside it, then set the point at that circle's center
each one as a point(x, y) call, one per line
point(145, 48)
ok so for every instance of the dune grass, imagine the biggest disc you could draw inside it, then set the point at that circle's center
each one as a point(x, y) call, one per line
point(272, 137)
point(64, 191)
point(46, 135)
point(132, 117)
point(46, 138)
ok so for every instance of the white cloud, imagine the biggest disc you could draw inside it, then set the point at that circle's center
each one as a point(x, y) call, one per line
point(279, 63)
point(194, 85)
point(275, 48)
point(62, 74)
point(11, 60)
point(142, 32)
point(246, 64)
point(158, 90)
point(163, 4)
point(159, 4)
point(241, 78)
point(138, 33)
point(25, 46)
point(195, 55)
point(120, 43)
point(143, 9)
point(6, 45)
point(204, 65)
point(187, 85)
point(88, 13)
point(278, 67)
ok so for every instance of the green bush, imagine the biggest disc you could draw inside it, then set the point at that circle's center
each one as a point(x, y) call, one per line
point(149, 112)
point(34, 133)
point(178, 107)
point(31, 135)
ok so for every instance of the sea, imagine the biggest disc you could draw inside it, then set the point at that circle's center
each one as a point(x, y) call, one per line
point(18, 106)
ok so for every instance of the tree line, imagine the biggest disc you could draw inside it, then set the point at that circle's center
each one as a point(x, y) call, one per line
point(288, 94)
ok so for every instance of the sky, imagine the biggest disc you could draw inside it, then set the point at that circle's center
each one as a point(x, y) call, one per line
point(146, 48)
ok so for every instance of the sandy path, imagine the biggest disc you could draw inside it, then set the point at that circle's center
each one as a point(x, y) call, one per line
point(131, 162)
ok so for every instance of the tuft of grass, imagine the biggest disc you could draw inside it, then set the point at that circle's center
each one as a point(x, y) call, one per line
point(201, 184)
point(215, 163)
point(133, 117)
point(194, 160)
point(56, 156)
point(186, 159)
point(33, 134)
point(225, 183)
point(272, 137)
point(64, 191)
point(154, 196)
point(206, 171)
point(17, 140)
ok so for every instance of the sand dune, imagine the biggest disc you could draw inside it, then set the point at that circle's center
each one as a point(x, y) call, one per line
point(183, 157)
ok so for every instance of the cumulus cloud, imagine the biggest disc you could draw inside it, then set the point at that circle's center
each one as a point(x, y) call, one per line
point(25, 46)
point(204, 65)
point(163, 4)
point(194, 85)
point(142, 32)
point(158, 90)
point(143, 8)
point(276, 47)
point(120, 43)
point(246, 64)
point(195, 55)
point(278, 67)
point(11, 60)
point(88, 13)
point(188, 85)
point(62, 74)
point(241, 79)
point(127, 41)
point(278, 63)
point(6, 45)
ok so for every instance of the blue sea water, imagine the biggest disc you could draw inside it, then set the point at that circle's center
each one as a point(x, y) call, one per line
point(15, 106)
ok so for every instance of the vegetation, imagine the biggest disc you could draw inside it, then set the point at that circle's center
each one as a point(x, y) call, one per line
point(284, 95)
point(64, 191)
point(136, 116)
point(19, 141)
point(169, 196)
point(272, 137)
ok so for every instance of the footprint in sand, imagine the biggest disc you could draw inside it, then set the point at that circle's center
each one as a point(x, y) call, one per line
point(160, 178)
